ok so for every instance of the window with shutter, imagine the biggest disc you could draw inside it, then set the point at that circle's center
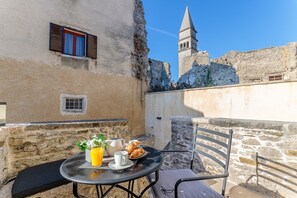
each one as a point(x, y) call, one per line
point(72, 42)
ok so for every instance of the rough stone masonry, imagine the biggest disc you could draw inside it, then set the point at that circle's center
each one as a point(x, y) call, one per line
point(272, 172)
point(26, 145)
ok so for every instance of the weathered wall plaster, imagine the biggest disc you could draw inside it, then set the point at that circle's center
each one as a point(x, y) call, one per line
point(32, 91)
point(25, 31)
point(275, 101)
point(32, 77)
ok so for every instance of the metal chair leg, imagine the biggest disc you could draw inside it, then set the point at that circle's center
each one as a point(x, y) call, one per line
point(129, 184)
point(74, 190)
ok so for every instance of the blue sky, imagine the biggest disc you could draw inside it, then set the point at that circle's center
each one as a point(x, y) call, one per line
point(222, 25)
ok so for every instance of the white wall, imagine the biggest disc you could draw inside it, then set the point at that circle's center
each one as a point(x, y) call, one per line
point(24, 32)
point(277, 101)
point(2, 113)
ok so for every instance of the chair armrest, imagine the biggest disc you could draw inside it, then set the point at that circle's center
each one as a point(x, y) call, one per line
point(206, 177)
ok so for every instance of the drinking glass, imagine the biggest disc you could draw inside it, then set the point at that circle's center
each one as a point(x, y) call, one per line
point(97, 156)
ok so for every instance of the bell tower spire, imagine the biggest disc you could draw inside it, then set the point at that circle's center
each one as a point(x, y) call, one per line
point(187, 44)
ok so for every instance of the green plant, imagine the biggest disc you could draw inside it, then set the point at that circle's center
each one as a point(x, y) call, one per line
point(83, 145)
point(96, 141)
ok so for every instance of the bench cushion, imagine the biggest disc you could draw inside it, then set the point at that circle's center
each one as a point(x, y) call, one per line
point(195, 189)
point(38, 179)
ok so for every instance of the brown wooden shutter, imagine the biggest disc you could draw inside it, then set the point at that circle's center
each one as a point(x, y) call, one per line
point(92, 46)
point(56, 37)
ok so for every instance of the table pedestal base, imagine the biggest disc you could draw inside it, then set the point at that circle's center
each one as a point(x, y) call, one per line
point(129, 190)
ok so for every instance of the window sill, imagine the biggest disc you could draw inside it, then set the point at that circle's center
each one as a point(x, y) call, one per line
point(75, 57)
point(72, 113)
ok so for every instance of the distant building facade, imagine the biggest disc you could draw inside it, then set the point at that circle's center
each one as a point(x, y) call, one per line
point(263, 65)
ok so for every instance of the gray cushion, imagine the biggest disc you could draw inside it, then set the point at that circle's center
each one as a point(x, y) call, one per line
point(193, 189)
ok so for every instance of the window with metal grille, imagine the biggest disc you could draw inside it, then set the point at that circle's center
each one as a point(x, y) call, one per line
point(73, 104)
point(275, 77)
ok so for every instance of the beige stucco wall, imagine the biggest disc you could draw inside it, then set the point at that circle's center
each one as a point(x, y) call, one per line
point(32, 91)
point(32, 78)
point(24, 30)
point(276, 101)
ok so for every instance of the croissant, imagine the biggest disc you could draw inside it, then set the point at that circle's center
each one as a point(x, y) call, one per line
point(130, 148)
point(137, 142)
point(137, 153)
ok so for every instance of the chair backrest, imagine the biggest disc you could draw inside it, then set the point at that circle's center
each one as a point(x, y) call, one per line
point(271, 173)
point(213, 145)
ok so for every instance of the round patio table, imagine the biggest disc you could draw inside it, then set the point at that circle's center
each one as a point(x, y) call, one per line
point(72, 169)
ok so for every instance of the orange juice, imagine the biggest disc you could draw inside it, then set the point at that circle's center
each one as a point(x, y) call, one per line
point(97, 156)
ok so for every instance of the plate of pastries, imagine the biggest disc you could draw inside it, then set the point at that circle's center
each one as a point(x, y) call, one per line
point(134, 150)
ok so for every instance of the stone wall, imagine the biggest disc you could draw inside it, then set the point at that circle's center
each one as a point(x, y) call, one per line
point(258, 65)
point(32, 144)
point(251, 66)
point(140, 65)
point(272, 172)
point(198, 58)
point(160, 75)
point(210, 75)
point(26, 145)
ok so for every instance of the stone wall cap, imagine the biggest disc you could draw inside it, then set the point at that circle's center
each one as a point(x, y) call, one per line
point(73, 123)
point(190, 119)
point(180, 118)
point(201, 120)
point(287, 127)
point(289, 81)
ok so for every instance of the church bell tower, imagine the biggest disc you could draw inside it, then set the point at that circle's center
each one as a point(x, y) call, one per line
point(187, 44)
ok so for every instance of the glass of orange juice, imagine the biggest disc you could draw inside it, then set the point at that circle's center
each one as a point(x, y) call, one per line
point(97, 156)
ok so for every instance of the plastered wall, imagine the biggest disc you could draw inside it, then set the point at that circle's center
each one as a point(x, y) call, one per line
point(32, 78)
point(275, 101)
point(24, 30)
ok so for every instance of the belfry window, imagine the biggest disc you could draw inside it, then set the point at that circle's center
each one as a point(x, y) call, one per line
point(187, 44)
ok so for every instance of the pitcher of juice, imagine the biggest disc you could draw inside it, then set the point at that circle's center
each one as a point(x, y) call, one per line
point(97, 156)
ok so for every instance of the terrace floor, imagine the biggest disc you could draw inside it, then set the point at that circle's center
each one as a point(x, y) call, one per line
point(236, 191)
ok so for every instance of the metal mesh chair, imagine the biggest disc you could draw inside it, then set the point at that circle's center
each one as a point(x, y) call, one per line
point(211, 145)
